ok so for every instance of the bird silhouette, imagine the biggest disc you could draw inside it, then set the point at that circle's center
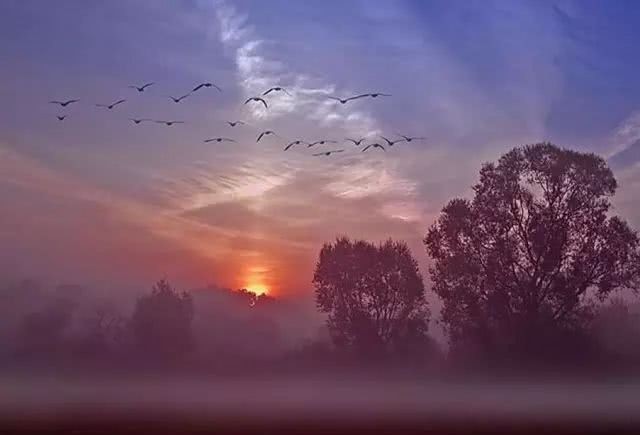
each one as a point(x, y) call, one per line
point(295, 142)
point(138, 120)
point(411, 138)
point(219, 139)
point(375, 95)
point(179, 99)
point(320, 142)
point(327, 153)
point(373, 145)
point(355, 97)
point(206, 85)
point(63, 103)
point(143, 87)
point(392, 142)
point(257, 99)
point(234, 123)
point(345, 100)
point(276, 89)
point(112, 105)
point(265, 133)
point(355, 142)
point(61, 117)
point(169, 123)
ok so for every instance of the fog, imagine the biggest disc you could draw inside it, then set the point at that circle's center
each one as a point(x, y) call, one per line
point(261, 400)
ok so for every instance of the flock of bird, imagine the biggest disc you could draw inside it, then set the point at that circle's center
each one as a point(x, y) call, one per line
point(259, 99)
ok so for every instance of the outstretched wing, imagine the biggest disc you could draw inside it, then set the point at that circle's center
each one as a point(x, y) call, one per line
point(358, 96)
point(386, 140)
point(118, 102)
point(260, 137)
point(146, 85)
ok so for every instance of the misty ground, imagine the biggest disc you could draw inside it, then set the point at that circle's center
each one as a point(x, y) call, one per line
point(258, 403)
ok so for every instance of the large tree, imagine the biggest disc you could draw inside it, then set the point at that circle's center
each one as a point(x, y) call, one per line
point(374, 295)
point(161, 322)
point(519, 264)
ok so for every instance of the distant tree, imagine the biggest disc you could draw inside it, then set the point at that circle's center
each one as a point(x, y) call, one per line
point(374, 295)
point(616, 327)
point(102, 332)
point(516, 265)
point(161, 322)
point(43, 331)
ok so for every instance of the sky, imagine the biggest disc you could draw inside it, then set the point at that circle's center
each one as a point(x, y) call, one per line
point(97, 200)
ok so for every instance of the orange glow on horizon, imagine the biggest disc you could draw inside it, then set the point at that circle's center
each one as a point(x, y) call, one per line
point(257, 288)
point(256, 279)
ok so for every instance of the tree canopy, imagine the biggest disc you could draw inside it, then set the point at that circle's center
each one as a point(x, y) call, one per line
point(527, 254)
point(161, 322)
point(374, 295)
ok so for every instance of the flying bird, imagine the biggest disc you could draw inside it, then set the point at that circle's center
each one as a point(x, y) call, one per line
point(257, 99)
point(169, 123)
point(276, 89)
point(179, 99)
point(392, 142)
point(265, 133)
point(346, 100)
point(411, 138)
point(143, 87)
point(375, 95)
point(234, 123)
point(355, 97)
point(63, 103)
point(327, 153)
point(321, 142)
point(112, 105)
point(61, 117)
point(355, 142)
point(138, 120)
point(373, 145)
point(219, 139)
point(206, 85)
point(295, 142)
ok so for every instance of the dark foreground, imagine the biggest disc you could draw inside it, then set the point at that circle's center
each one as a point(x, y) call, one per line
point(52, 405)
point(152, 425)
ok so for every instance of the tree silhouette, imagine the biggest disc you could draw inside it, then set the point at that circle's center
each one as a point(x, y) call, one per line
point(161, 322)
point(42, 332)
point(517, 264)
point(374, 295)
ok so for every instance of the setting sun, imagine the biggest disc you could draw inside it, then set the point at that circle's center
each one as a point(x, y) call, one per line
point(258, 289)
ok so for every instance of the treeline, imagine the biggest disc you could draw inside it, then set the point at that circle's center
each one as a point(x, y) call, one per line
point(532, 272)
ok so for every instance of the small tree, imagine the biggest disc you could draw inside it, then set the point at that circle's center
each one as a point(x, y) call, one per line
point(161, 322)
point(374, 295)
point(516, 266)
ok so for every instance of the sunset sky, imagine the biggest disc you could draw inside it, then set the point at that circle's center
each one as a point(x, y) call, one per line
point(100, 201)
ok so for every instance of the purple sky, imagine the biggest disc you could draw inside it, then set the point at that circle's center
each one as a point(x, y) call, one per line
point(98, 200)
